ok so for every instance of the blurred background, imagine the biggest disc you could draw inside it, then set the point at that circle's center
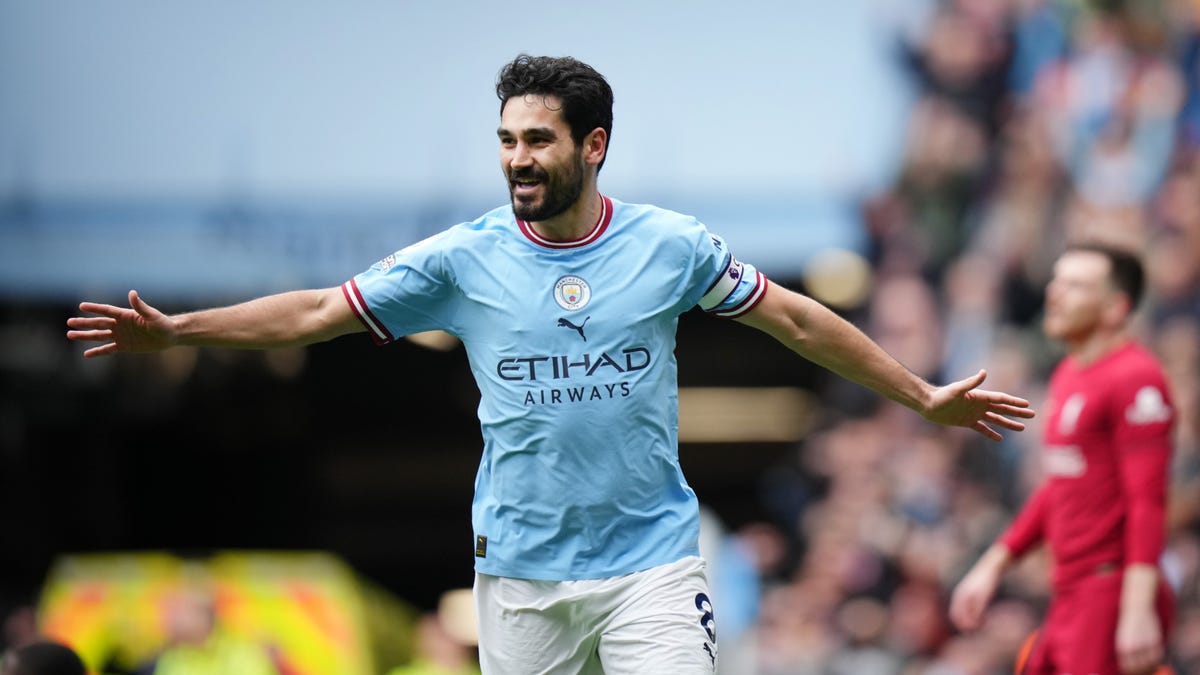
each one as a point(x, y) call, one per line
point(915, 164)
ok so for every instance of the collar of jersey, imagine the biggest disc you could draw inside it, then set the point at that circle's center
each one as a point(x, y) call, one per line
point(602, 222)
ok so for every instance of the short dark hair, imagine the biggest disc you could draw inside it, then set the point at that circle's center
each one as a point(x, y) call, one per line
point(1125, 268)
point(587, 99)
point(44, 658)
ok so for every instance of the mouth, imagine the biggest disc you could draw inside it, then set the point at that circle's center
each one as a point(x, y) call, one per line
point(524, 187)
point(524, 184)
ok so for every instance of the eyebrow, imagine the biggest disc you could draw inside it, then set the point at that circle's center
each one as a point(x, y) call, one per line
point(548, 132)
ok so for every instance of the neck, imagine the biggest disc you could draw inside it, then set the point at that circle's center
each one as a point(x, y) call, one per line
point(1096, 345)
point(576, 221)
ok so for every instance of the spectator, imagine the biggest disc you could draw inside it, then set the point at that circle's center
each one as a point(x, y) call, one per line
point(42, 657)
point(438, 652)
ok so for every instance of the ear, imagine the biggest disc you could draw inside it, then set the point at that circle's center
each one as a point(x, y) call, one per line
point(595, 146)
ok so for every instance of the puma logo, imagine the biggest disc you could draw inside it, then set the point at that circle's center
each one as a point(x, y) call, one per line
point(564, 323)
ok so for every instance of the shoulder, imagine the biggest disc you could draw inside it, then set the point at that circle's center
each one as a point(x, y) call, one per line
point(1127, 368)
point(1139, 385)
point(498, 222)
point(654, 216)
point(483, 231)
point(650, 223)
point(1134, 361)
point(1133, 380)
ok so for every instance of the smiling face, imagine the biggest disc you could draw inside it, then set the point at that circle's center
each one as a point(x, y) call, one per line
point(544, 166)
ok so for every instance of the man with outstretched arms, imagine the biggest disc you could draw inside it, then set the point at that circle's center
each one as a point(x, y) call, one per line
point(567, 302)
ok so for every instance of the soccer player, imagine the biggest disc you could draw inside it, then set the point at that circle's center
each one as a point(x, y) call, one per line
point(1101, 506)
point(567, 302)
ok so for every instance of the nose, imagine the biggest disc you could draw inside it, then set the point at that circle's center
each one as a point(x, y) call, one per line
point(520, 156)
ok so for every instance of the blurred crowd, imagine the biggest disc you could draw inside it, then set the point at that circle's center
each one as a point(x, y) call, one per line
point(1036, 122)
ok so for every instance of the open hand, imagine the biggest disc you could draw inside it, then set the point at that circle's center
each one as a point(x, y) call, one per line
point(139, 328)
point(961, 404)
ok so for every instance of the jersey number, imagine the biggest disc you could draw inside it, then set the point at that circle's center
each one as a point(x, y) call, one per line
point(707, 622)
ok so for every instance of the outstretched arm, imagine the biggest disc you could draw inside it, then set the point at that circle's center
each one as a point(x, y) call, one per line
point(288, 319)
point(818, 334)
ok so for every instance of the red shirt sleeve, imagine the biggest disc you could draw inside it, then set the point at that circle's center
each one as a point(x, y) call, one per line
point(1028, 528)
point(1143, 417)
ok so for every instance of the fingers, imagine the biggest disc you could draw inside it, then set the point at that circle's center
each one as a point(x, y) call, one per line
point(89, 335)
point(965, 612)
point(91, 322)
point(1003, 421)
point(102, 350)
point(1141, 656)
point(997, 398)
point(97, 308)
point(91, 328)
point(135, 302)
point(94, 336)
point(1004, 409)
point(986, 431)
point(138, 305)
point(962, 621)
point(95, 328)
point(969, 383)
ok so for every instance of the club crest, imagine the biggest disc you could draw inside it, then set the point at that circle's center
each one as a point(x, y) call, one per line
point(572, 293)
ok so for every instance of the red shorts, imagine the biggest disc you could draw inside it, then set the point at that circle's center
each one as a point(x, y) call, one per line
point(1079, 633)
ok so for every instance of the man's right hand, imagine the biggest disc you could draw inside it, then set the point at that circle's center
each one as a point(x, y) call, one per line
point(140, 328)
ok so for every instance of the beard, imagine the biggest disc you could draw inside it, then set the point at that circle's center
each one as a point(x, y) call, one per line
point(561, 189)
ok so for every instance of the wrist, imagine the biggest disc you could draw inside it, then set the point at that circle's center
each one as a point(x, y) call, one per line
point(923, 400)
point(176, 332)
point(1139, 588)
point(999, 555)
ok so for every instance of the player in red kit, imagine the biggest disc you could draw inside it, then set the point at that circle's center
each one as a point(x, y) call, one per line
point(1101, 507)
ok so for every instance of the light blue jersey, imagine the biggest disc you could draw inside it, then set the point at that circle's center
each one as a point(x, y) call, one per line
point(572, 346)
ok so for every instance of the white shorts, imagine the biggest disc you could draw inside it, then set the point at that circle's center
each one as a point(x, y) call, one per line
point(658, 621)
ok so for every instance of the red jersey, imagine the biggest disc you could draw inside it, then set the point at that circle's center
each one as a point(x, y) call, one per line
point(1107, 437)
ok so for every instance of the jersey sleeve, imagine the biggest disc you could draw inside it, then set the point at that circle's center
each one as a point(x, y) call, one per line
point(1028, 528)
point(726, 287)
point(1143, 415)
point(407, 292)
